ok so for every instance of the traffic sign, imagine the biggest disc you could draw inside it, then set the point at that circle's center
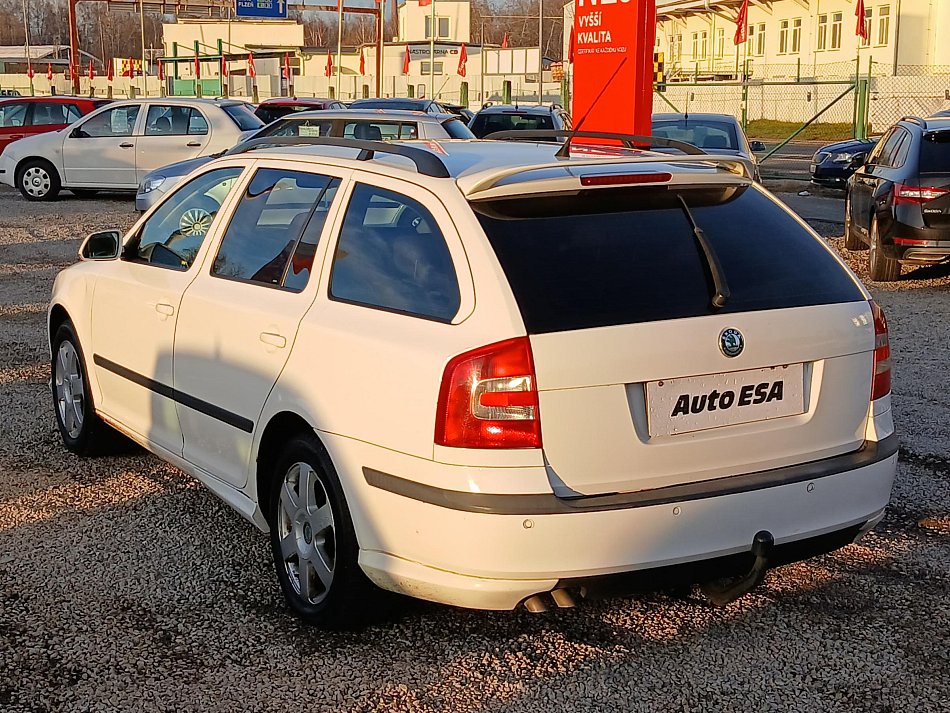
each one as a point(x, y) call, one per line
point(262, 8)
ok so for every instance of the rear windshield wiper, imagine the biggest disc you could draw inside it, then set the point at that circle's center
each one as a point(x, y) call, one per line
point(721, 293)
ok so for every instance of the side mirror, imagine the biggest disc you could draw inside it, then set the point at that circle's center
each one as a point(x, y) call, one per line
point(101, 246)
point(758, 146)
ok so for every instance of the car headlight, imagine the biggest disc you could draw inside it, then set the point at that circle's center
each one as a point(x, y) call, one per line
point(150, 184)
point(843, 157)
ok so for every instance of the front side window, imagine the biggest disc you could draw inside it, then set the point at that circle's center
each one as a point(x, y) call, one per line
point(53, 113)
point(379, 130)
point(277, 210)
point(392, 255)
point(173, 234)
point(118, 121)
point(12, 115)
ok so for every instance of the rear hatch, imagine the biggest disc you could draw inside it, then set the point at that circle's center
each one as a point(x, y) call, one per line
point(642, 381)
point(934, 171)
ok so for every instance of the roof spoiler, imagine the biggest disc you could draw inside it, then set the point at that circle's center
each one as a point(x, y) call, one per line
point(630, 141)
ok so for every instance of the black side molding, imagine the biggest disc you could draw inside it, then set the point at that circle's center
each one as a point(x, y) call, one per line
point(192, 402)
point(549, 504)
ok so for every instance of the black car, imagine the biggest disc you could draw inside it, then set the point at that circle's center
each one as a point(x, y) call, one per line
point(898, 203)
point(834, 164)
point(510, 117)
point(429, 106)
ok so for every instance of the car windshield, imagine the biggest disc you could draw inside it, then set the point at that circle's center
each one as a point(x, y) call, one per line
point(485, 124)
point(935, 152)
point(242, 115)
point(702, 133)
point(609, 256)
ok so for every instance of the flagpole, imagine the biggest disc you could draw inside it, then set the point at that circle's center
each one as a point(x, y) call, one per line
point(144, 70)
point(26, 39)
point(432, 54)
point(540, 41)
point(339, 47)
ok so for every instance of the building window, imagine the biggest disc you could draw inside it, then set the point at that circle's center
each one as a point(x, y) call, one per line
point(868, 13)
point(796, 35)
point(703, 44)
point(883, 24)
point(695, 45)
point(822, 32)
point(442, 25)
point(437, 67)
point(836, 31)
point(783, 37)
point(757, 37)
point(676, 48)
point(720, 42)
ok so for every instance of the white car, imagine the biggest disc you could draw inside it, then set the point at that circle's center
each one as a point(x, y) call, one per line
point(113, 148)
point(478, 374)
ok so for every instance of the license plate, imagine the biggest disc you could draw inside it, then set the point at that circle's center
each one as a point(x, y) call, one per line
point(812, 168)
point(697, 403)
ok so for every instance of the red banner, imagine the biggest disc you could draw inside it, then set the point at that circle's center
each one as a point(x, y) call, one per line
point(613, 65)
point(742, 24)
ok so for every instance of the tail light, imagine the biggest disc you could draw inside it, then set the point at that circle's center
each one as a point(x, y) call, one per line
point(489, 399)
point(916, 194)
point(881, 385)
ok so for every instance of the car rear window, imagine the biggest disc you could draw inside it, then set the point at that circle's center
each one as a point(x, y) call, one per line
point(242, 115)
point(606, 257)
point(457, 129)
point(704, 133)
point(935, 152)
point(485, 124)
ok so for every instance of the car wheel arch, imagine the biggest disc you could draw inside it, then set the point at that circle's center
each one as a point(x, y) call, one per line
point(27, 160)
point(57, 317)
point(281, 428)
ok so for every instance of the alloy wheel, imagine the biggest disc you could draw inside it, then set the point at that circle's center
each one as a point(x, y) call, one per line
point(70, 391)
point(307, 537)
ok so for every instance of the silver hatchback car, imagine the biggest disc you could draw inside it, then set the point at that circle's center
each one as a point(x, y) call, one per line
point(371, 124)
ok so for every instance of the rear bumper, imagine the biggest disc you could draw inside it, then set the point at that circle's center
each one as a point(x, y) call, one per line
point(914, 244)
point(483, 558)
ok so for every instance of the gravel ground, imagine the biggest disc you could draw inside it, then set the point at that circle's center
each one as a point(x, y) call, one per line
point(124, 585)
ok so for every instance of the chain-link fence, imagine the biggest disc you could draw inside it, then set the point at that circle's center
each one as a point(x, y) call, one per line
point(800, 70)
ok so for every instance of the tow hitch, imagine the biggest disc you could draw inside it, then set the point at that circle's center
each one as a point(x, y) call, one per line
point(721, 592)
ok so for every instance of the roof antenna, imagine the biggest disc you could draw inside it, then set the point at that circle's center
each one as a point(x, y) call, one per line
point(565, 150)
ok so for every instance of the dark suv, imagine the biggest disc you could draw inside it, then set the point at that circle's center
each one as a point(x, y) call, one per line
point(493, 118)
point(898, 203)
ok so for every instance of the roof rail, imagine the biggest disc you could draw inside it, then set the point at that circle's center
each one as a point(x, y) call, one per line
point(427, 163)
point(628, 140)
point(915, 120)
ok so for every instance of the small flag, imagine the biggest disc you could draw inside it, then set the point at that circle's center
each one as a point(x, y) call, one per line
point(463, 60)
point(161, 71)
point(110, 75)
point(49, 72)
point(131, 68)
point(29, 70)
point(405, 62)
point(861, 30)
point(252, 72)
point(287, 67)
point(224, 67)
point(362, 62)
point(329, 68)
point(742, 24)
point(571, 46)
point(92, 71)
point(197, 66)
point(425, 3)
point(504, 41)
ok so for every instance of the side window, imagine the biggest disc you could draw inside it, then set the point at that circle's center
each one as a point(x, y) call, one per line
point(12, 115)
point(173, 234)
point(884, 151)
point(269, 223)
point(118, 121)
point(73, 113)
point(299, 127)
point(49, 113)
point(174, 121)
point(408, 131)
point(371, 130)
point(392, 255)
point(903, 148)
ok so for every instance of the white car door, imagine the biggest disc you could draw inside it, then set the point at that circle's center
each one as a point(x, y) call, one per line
point(239, 318)
point(100, 151)
point(135, 308)
point(171, 133)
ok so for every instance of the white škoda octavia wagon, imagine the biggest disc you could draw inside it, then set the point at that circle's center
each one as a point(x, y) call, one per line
point(479, 374)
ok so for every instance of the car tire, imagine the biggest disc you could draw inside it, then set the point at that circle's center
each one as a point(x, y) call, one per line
point(38, 180)
point(880, 267)
point(84, 192)
point(852, 240)
point(82, 431)
point(313, 540)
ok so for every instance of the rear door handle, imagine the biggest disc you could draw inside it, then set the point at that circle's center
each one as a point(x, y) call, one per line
point(193, 144)
point(126, 145)
point(14, 137)
point(164, 308)
point(274, 340)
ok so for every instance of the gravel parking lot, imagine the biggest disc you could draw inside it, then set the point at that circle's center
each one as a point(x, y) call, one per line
point(125, 585)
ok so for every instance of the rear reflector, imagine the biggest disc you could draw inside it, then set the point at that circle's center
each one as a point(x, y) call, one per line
point(916, 194)
point(489, 399)
point(625, 179)
point(881, 384)
point(911, 241)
